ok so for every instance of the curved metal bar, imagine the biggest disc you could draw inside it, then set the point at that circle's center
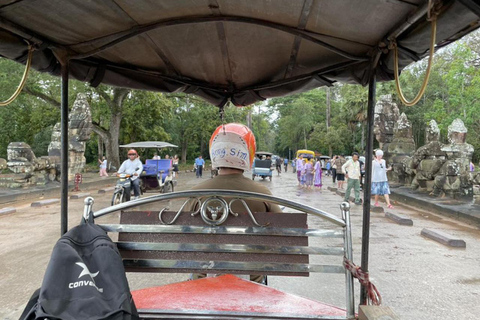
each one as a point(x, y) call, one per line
point(223, 193)
point(248, 210)
point(135, 31)
point(178, 212)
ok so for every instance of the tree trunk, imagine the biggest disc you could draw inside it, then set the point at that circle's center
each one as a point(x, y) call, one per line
point(328, 107)
point(184, 150)
point(100, 147)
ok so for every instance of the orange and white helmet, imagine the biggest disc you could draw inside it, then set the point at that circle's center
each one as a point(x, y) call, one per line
point(232, 145)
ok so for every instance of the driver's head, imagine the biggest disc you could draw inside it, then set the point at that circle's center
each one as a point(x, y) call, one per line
point(132, 154)
point(232, 145)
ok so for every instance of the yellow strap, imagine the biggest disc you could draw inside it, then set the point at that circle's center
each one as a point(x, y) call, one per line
point(24, 79)
point(427, 73)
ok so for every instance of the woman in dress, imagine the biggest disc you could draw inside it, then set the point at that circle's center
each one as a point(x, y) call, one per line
point(379, 179)
point(308, 169)
point(318, 175)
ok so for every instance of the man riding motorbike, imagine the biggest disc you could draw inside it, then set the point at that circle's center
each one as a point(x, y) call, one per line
point(133, 167)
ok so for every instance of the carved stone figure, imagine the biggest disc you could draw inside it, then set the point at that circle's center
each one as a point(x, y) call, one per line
point(386, 115)
point(79, 129)
point(428, 159)
point(400, 149)
point(453, 178)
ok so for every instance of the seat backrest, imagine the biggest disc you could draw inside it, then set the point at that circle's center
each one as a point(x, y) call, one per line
point(248, 243)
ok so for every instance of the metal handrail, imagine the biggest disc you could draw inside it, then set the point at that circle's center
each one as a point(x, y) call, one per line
point(216, 192)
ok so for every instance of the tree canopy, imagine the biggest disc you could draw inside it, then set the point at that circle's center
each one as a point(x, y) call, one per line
point(328, 120)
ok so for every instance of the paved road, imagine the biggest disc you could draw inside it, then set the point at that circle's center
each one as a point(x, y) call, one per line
point(417, 277)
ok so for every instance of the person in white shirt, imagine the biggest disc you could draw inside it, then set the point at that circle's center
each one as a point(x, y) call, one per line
point(352, 173)
point(134, 167)
point(379, 179)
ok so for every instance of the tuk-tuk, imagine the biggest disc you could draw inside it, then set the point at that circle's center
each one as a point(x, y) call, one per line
point(157, 173)
point(236, 52)
point(262, 166)
point(307, 154)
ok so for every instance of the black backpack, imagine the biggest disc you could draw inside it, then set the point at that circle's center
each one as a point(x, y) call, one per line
point(85, 279)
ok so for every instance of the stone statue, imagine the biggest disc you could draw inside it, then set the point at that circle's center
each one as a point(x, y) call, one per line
point(453, 178)
point(428, 159)
point(386, 115)
point(399, 150)
point(79, 129)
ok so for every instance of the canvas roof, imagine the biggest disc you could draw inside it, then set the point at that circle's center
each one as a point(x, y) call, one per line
point(226, 50)
point(149, 144)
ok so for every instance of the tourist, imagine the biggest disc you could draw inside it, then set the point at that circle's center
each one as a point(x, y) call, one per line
point(334, 169)
point(285, 164)
point(351, 168)
point(199, 163)
point(472, 167)
point(308, 173)
point(379, 179)
point(318, 175)
point(175, 165)
point(103, 167)
point(339, 162)
point(156, 156)
point(299, 167)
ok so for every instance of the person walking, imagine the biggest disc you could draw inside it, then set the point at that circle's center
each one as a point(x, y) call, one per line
point(339, 162)
point(379, 179)
point(328, 166)
point(285, 164)
point(351, 168)
point(103, 167)
point(308, 173)
point(317, 183)
point(175, 165)
point(334, 169)
point(299, 167)
point(199, 163)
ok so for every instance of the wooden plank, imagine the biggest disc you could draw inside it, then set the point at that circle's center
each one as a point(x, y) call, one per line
point(443, 238)
point(376, 313)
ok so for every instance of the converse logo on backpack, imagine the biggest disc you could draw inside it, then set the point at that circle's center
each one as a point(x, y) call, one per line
point(84, 283)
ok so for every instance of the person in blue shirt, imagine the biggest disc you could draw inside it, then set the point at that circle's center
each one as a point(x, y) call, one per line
point(285, 164)
point(199, 163)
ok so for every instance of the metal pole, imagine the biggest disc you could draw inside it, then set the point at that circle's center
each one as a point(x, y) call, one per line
point(367, 191)
point(64, 152)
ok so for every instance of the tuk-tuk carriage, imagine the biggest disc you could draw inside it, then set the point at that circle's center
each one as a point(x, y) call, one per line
point(237, 52)
point(157, 175)
point(262, 166)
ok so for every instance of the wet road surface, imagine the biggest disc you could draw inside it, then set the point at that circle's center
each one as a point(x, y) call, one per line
point(417, 277)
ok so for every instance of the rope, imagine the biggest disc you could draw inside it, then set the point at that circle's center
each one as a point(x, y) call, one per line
point(373, 295)
point(417, 98)
point(23, 81)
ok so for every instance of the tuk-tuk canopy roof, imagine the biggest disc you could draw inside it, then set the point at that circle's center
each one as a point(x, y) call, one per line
point(149, 144)
point(242, 51)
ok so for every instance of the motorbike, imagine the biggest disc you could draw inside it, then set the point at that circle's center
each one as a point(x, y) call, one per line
point(123, 189)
